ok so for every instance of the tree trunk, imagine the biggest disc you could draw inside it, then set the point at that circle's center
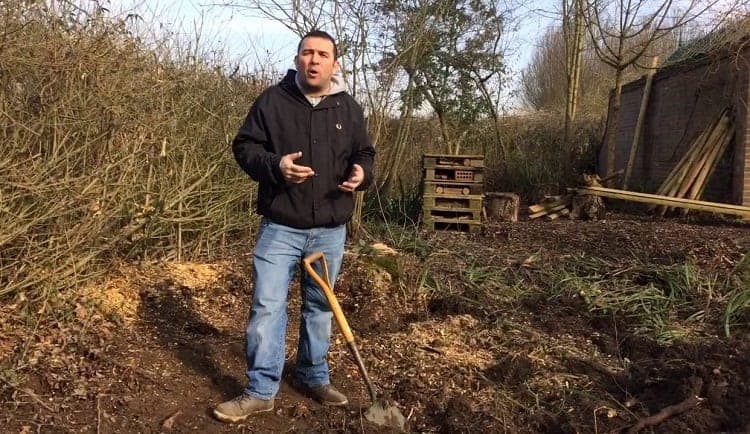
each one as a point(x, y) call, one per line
point(444, 133)
point(395, 157)
point(495, 118)
point(573, 59)
point(355, 224)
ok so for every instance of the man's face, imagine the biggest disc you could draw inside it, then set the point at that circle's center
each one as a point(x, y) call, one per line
point(315, 64)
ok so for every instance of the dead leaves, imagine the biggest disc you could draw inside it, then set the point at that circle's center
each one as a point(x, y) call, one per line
point(300, 411)
point(168, 424)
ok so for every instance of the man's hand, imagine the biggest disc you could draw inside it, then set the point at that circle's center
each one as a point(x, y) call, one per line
point(355, 179)
point(294, 173)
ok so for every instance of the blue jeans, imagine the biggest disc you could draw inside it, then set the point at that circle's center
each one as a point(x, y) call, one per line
point(278, 252)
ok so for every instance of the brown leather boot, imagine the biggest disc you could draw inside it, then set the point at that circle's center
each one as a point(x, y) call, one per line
point(328, 395)
point(241, 407)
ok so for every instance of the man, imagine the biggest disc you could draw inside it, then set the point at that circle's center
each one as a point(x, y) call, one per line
point(306, 144)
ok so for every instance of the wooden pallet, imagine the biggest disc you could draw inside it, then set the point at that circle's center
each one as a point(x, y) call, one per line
point(439, 224)
point(454, 174)
point(451, 201)
point(452, 213)
point(447, 160)
point(452, 188)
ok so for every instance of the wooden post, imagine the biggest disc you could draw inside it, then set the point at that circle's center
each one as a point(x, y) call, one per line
point(677, 202)
point(641, 120)
point(689, 156)
point(689, 166)
point(692, 172)
point(679, 181)
point(709, 165)
point(712, 143)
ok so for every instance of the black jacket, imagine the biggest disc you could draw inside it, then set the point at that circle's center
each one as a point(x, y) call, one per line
point(332, 136)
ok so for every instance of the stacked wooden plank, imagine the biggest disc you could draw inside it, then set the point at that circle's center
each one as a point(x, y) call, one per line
point(453, 186)
point(552, 207)
point(573, 206)
point(689, 177)
point(672, 202)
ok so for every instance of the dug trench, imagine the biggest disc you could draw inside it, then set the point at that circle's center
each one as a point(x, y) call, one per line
point(465, 332)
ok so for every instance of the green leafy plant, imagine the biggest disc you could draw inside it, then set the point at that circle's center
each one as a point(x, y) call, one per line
point(662, 301)
point(738, 306)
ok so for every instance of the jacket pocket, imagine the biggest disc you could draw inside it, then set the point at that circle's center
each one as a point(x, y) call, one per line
point(341, 148)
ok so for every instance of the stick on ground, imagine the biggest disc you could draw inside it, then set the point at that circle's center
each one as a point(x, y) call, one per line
point(673, 410)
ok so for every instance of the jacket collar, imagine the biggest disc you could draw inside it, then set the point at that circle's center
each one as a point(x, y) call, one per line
point(289, 84)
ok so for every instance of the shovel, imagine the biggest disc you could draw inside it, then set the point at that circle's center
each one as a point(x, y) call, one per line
point(379, 412)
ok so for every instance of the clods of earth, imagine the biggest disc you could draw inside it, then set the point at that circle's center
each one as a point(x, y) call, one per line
point(529, 327)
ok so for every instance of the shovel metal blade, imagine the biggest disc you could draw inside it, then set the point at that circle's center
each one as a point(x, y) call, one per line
point(385, 415)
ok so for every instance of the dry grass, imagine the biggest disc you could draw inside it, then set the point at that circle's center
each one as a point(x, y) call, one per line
point(110, 149)
point(540, 162)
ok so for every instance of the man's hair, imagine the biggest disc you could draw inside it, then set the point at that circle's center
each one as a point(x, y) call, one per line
point(319, 34)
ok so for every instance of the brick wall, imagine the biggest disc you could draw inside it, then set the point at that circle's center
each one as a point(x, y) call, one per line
point(741, 180)
point(684, 101)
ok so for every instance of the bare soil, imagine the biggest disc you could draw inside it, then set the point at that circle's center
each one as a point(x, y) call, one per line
point(156, 346)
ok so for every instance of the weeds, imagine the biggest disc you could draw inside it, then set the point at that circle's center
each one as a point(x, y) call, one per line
point(738, 306)
point(665, 302)
point(403, 209)
point(403, 237)
point(737, 309)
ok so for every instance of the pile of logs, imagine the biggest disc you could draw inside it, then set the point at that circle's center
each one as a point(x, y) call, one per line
point(589, 207)
point(553, 207)
point(689, 177)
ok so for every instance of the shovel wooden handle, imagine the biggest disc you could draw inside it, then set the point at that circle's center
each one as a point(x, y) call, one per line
point(325, 285)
